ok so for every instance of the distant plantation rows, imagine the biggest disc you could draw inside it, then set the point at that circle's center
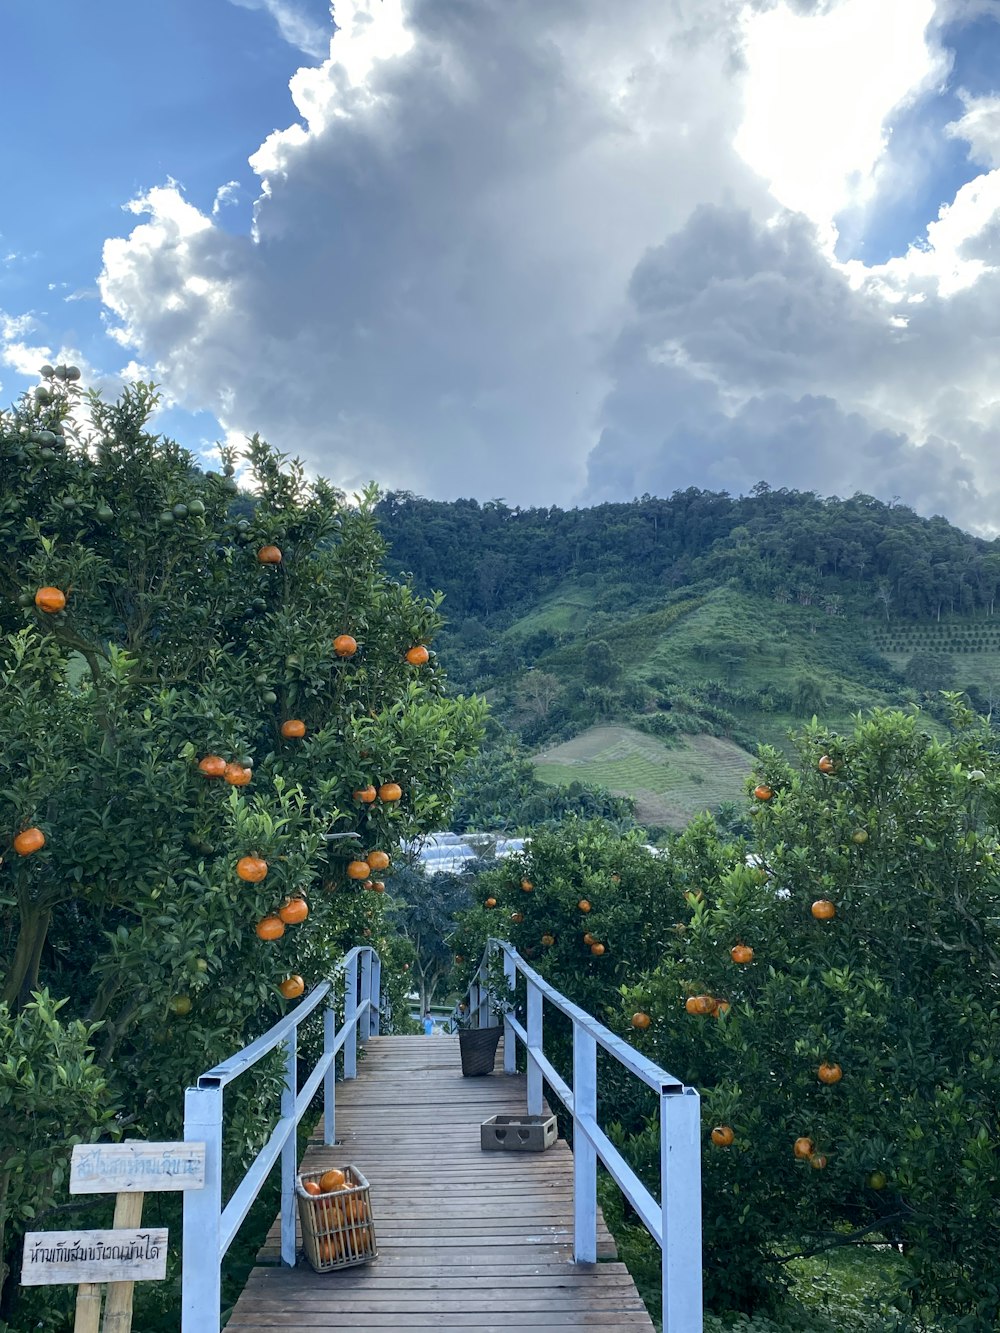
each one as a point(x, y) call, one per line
point(946, 638)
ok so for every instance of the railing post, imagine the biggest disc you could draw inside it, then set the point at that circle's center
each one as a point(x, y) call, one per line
point(289, 1150)
point(201, 1286)
point(509, 1040)
point(584, 1153)
point(365, 1026)
point(474, 1002)
point(680, 1201)
point(351, 1019)
point(534, 1030)
point(330, 1077)
point(484, 1004)
point(376, 1010)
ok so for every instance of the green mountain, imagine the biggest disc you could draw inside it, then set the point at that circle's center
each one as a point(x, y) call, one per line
point(649, 647)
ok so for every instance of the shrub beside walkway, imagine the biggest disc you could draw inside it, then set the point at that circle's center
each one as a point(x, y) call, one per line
point(469, 1241)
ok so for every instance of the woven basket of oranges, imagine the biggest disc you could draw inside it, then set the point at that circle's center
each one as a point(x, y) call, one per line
point(335, 1215)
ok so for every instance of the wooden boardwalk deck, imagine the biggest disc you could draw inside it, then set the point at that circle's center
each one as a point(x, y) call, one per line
point(469, 1242)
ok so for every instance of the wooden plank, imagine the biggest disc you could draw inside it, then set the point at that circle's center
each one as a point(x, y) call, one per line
point(52, 1258)
point(114, 1168)
point(468, 1241)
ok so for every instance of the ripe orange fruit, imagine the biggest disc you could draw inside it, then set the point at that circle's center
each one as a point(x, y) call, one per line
point(763, 792)
point(377, 860)
point(722, 1136)
point(803, 1148)
point(817, 1161)
point(366, 794)
point(293, 911)
point(29, 840)
point(490, 902)
point(828, 1073)
point(691, 1004)
point(703, 1004)
point(548, 940)
point(358, 869)
point(823, 910)
point(50, 600)
point(213, 766)
point(597, 949)
point(311, 1187)
point(527, 885)
point(722, 1007)
point(741, 953)
point(345, 646)
point(251, 868)
point(517, 917)
point(270, 928)
point(331, 1180)
point(294, 728)
point(292, 987)
point(589, 939)
point(417, 655)
point(269, 555)
point(390, 791)
point(583, 905)
point(378, 886)
point(826, 764)
point(641, 1020)
point(236, 775)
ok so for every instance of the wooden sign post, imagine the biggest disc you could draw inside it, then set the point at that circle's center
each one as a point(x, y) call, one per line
point(126, 1254)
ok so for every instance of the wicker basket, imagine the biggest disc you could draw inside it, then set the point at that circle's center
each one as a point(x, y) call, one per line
point(337, 1228)
point(478, 1048)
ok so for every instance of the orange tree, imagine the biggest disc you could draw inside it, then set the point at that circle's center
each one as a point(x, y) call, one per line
point(833, 989)
point(214, 741)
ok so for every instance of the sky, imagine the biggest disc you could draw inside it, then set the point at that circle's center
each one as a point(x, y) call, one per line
point(524, 249)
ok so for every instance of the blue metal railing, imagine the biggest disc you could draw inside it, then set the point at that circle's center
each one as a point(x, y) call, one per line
point(674, 1219)
point(210, 1228)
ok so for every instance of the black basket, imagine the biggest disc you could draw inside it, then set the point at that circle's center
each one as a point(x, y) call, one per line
point(478, 1047)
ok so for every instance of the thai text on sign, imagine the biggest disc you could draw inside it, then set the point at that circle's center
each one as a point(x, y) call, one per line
point(115, 1168)
point(54, 1257)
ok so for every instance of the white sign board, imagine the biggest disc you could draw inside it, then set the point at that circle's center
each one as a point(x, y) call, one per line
point(119, 1168)
point(55, 1257)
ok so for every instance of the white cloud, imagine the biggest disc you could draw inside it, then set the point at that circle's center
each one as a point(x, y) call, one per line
point(819, 91)
point(225, 196)
point(980, 127)
point(504, 234)
point(294, 26)
point(441, 248)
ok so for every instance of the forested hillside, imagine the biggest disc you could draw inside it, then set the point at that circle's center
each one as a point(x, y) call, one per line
point(880, 559)
point(615, 641)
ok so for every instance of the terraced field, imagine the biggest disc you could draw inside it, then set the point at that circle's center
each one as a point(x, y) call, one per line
point(669, 784)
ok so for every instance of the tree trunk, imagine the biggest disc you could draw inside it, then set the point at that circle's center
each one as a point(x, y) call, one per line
point(22, 978)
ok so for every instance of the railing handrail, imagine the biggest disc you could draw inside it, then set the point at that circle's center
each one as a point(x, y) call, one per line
point(673, 1220)
point(634, 1061)
point(210, 1228)
point(221, 1074)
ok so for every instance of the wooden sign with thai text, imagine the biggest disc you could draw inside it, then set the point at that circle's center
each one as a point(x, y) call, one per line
point(53, 1257)
point(117, 1168)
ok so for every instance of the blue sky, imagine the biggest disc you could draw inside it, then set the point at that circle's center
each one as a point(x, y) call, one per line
point(938, 165)
point(555, 253)
point(102, 101)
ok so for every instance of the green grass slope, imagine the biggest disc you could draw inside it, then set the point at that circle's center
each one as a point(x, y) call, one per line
point(669, 785)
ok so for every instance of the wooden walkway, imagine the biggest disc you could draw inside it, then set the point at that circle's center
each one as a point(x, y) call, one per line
point(469, 1241)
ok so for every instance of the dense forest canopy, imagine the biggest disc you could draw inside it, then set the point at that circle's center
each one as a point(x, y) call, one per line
point(880, 559)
